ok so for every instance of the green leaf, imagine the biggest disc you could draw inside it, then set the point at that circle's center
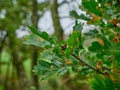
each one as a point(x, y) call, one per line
point(82, 16)
point(48, 74)
point(117, 56)
point(95, 47)
point(110, 11)
point(47, 54)
point(43, 35)
point(102, 83)
point(78, 27)
point(62, 71)
point(36, 41)
point(45, 69)
point(42, 68)
point(91, 6)
point(91, 33)
point(74, 14)
point(57, 63)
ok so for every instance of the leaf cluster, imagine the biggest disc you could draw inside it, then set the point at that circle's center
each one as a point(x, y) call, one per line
point(101, 56)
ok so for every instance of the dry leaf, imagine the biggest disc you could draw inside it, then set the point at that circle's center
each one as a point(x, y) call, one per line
point(95, 18)
point(101, 42)
point(114, 21)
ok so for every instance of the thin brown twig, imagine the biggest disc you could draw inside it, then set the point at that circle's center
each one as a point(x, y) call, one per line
point(105, 68)
point(87, 64)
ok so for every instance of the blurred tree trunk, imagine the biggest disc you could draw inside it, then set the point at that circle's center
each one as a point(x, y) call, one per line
point(35, 80)
point(17, 62)
point(6, 87)
point(2, 42)
point(59, 33)
point(56, 20)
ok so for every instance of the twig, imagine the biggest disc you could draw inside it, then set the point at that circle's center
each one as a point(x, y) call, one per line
point(109, 69)
point(87, 64)
point(63, 2)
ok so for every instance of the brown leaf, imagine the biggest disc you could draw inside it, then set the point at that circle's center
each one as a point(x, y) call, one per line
point(114, 21)
point(101, 42)
point(116, 39)
point(95, 18)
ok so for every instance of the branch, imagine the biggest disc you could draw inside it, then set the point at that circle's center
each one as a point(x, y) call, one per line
point(87, 64)
point(64, 17)
point(63, 2)
point(43, 12)
point(105, 68)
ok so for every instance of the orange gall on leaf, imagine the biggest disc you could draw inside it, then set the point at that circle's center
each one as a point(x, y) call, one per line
point(95, 18)
point(111, 58)
point(101, 42)
point(106, 4)
point(64, 46)
point(41, 39)
point(106, 74)
point(114, 21)
point(118, 35)
point(67, 61)
point(116, 39)
point(99, 65)
point(51, 67)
